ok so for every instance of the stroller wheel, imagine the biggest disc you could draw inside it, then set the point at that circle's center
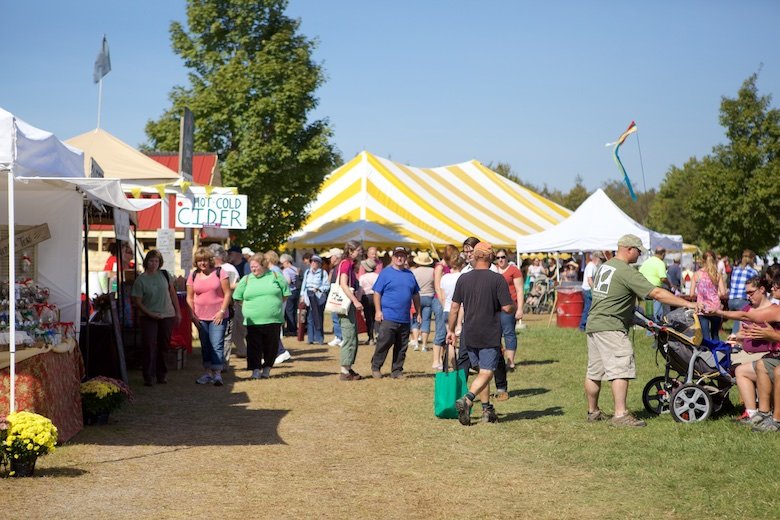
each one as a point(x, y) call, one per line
point(691, 403)
point(656, 395)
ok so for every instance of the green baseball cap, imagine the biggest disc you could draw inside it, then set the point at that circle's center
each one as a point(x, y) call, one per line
point(631, 241)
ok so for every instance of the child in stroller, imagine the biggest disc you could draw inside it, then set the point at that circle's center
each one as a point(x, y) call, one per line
point(696, 380)
point(540, 296)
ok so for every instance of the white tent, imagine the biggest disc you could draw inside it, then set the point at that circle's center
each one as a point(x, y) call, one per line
point(46, 185)
point(595, 226)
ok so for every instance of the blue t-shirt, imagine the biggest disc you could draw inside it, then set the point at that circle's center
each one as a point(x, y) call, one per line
point(396, 287)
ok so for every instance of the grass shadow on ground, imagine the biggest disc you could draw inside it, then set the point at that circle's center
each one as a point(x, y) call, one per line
point(62, 472)
point(534, 362)
point(531, 414)
point(295, 373)
point(528, 392)
point(309, 358)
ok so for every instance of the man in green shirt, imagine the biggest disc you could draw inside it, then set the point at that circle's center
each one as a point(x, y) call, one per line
point(654, 269)
point(616, 285)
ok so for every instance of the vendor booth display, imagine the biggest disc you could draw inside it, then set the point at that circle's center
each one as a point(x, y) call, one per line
point(45, 190)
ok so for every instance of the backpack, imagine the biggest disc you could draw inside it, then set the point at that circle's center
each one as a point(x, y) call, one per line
point(218, 270)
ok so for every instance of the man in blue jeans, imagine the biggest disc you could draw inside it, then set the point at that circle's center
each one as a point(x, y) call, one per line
point(483, 295)
point(739, 276)
point(394, 291)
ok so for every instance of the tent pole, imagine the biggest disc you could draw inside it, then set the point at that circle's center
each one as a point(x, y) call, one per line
point(85, 348)
point(12, 289)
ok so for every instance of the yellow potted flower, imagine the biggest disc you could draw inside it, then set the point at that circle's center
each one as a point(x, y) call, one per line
point(100, 396)
point(25, 436)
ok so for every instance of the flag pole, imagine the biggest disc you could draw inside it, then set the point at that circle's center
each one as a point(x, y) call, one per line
point(102, 67)
point(100, 100)
point(641, 163)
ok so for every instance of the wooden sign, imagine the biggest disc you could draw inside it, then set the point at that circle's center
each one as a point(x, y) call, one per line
point(26, 238)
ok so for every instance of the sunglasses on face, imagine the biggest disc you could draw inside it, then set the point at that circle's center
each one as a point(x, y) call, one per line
point(499, 257)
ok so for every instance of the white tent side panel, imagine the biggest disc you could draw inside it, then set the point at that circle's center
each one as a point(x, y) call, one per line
point(58, 259)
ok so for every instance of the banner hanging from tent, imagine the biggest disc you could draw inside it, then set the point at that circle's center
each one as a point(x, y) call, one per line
point(222, 211)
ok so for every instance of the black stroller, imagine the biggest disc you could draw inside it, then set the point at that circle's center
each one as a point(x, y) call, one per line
point(696, 380)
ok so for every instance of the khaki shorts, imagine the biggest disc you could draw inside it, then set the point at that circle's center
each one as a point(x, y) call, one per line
point(770, 364)
point(741, 357)
point(610, 356)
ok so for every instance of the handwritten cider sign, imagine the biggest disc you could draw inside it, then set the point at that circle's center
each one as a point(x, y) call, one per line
point(224, 211)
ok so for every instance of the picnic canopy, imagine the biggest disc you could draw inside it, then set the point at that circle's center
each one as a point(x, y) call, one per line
point(119, 160)
point(595, 226)
point(385, 203)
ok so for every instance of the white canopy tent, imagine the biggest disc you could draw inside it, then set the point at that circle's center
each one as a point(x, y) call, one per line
point(46, 184)
point(595, 226)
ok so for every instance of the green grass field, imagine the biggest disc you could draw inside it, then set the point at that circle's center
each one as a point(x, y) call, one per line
point(305, 445)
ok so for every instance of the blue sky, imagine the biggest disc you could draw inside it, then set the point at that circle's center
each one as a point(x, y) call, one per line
point(539, 85)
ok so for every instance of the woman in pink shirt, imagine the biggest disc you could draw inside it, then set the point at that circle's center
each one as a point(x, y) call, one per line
point(347, 279)
point(708, 285)
point(208, 295)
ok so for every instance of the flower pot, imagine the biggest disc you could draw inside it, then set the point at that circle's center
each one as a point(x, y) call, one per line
point(96, 418)
point(22, 467)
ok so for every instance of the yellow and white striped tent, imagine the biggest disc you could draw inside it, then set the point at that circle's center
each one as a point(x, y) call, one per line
point(384, 203)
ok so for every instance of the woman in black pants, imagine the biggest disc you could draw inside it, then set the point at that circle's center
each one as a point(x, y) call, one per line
point(262, 294)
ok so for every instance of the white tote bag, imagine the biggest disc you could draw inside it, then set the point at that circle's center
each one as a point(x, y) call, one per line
point(338, 302)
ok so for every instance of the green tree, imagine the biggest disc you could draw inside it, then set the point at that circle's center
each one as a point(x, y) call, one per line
point(252, 83)
point(670, 211)
point(736, 203)
point(576, 195)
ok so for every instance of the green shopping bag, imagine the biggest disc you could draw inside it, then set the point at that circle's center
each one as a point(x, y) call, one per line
point(449, 386)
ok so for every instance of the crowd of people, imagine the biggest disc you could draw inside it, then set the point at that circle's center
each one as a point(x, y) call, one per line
point(244, 304)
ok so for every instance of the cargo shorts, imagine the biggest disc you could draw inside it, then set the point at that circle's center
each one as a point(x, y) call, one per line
point(610, 356)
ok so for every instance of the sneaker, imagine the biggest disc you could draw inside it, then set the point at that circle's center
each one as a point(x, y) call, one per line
point(628, 420)
point(218, 380)
point(424, 349)
point(355, 375)
point(398, 375)
point(376, 374)
point(335, 342)
point(256, 373)
point(266, 374)
point(767, 425)
point(597, 416)
point(489, 415)
point(463, 406)
point(205, 379)
point(349, 377)
point(281, 358)
point(501, 395)
point(759, 418)
point(744, 418)
point(415, 346)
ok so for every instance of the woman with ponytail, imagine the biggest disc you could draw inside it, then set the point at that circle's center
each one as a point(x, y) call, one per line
point(709, 286)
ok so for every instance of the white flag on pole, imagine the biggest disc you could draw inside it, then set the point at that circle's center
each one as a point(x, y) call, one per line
point(102, 62)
